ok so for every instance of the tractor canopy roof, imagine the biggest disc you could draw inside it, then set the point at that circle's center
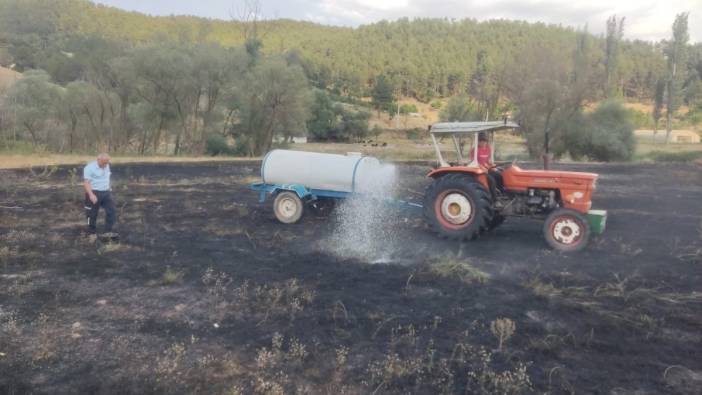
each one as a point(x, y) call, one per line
point(471, 127)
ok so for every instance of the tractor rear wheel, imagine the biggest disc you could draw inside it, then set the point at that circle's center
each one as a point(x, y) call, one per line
point(566, 230)
point(458, 207)
point(288, 207)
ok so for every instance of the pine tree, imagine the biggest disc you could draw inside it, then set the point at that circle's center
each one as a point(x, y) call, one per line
point(615, 33)
point(676, 53)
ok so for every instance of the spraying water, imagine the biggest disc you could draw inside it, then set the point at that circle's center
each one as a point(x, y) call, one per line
point(363, 223)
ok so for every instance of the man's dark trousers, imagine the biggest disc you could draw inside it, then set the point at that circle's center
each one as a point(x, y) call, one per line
point(104, 200)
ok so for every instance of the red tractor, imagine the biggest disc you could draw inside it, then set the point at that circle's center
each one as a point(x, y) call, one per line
point(466, 198)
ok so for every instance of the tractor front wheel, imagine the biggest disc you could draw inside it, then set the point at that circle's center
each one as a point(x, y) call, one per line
point(458, 207)
point(288, 207)
point(566, 230)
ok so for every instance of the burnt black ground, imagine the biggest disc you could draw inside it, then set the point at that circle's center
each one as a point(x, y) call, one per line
point(78, 316)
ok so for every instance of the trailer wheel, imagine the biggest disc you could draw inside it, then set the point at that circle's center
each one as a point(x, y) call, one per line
point(566, 230)
point(288, 207)
point(458, 207)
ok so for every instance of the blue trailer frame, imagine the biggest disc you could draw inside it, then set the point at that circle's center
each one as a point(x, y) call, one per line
point(301, 191)
point(313, 194)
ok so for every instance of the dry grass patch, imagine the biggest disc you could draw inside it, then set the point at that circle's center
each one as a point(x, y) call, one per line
point(6, 253)
point(261, 303)
point(455, 268)
point(46, 341)
point(42, 172)
point(19, 236)
point(169, 365)
point(569, 293)
point(542, 289)
point(9, 324)
point(171, 276)
point(502, 329)
point(616, 288)
point(420, 368)
point(112, 247)
point(217, 283)
point(249, 180)
point(22, 285)
point(224, 230)
point(277, 300)
point(277, 366)
point(549, 344)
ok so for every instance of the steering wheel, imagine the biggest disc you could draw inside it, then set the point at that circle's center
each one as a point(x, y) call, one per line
point(504, 165)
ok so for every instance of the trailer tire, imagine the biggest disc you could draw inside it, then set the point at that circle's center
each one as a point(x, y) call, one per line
point(566, 230)
point(458, 207)
point(288, 207)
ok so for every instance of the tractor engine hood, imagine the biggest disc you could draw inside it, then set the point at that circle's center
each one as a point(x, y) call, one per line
point(549, 179)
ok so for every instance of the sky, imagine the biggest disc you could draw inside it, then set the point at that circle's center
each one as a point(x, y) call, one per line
point(645, 19)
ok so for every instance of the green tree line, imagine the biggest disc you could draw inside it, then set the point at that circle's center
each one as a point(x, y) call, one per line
point(97, 76)
point(159, 99)
point(423, 58)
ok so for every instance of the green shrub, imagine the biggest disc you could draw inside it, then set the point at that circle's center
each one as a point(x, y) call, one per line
point(408, 108)
point(217, 145)
point(241, 148)
point(436, 104)
point(354, 125)
point(414, 134)
point(18, 147)
point(612, 133)
point(376, 131)
point(640, 119)
point(330, 121)
point(660, 156)
point(390, 108)
point(459, 109)
point(605, 135)
point(694, 117)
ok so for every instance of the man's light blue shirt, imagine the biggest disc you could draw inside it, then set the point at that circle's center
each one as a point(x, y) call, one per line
point(99, 178)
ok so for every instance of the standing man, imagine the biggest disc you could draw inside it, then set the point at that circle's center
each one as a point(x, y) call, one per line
point(97, 193)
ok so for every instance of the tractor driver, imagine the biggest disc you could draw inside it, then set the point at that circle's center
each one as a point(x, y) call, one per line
point(484, 157)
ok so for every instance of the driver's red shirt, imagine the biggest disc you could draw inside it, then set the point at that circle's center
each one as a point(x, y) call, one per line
point(483, 155)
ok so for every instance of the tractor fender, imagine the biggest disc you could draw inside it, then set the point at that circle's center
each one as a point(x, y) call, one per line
point(478, 173)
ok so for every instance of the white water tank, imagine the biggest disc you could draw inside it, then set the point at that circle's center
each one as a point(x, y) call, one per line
point(341, 173)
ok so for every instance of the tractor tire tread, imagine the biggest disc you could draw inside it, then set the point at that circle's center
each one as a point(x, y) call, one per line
point(482, 200)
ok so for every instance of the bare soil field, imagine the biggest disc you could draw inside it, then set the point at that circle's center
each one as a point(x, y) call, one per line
point(207, 293)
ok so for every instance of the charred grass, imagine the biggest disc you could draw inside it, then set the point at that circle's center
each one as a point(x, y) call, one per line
point(206, 293)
